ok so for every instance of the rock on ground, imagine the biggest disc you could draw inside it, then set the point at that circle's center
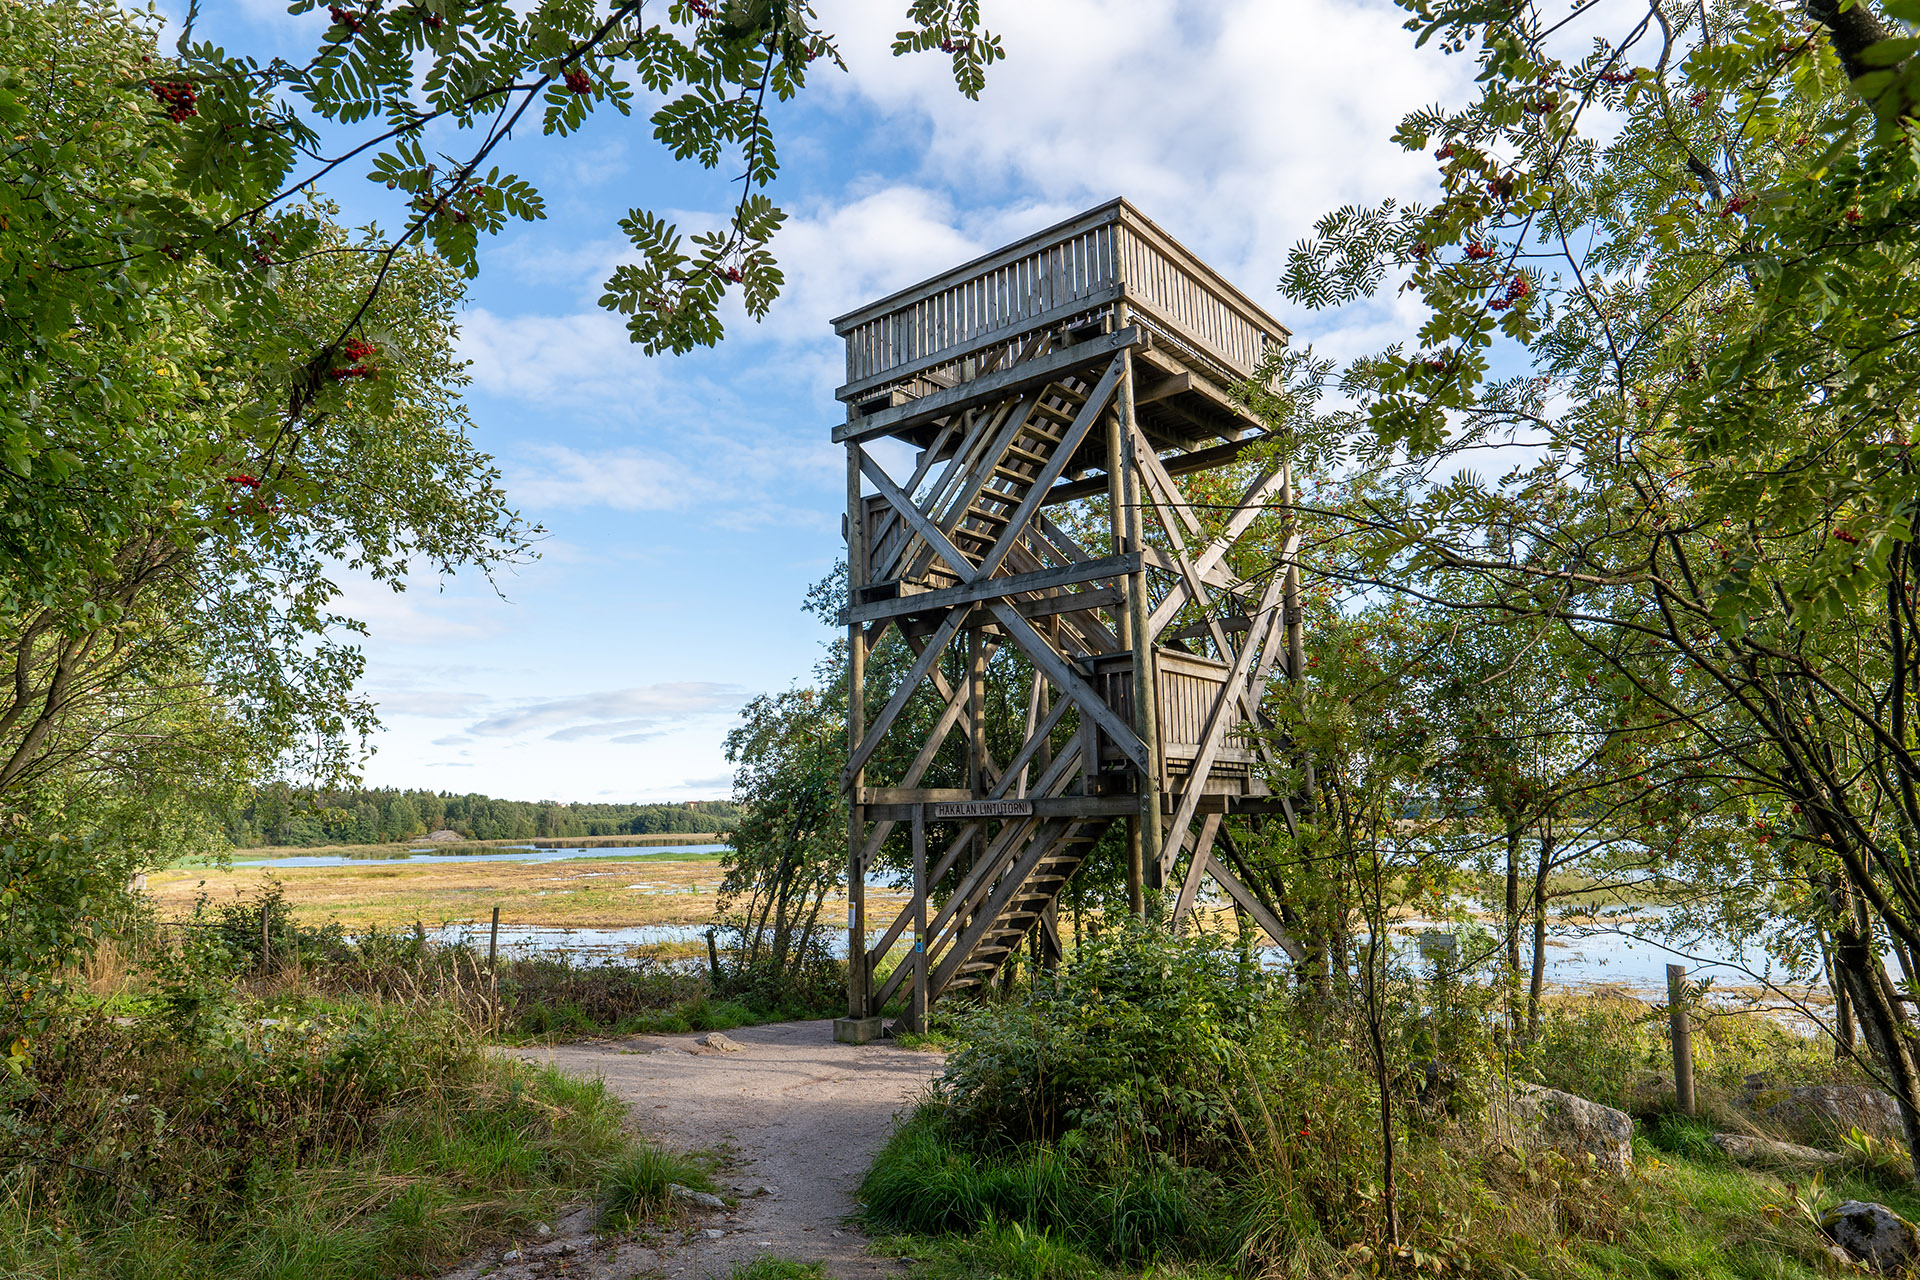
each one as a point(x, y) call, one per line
point(1826, 1111)
point(1742, 1149)
point(1874, 1234)
point(1537, 1118)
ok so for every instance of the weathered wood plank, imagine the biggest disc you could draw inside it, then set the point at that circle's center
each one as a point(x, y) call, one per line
point(937, 643)
point(1196, 870)
point(1068, 681)
point(1257, 909)
point(1227, 709)
point(1178, 465)
point(1004, 382)
point(1090, 411)
point(994, 588)
point(905, 505)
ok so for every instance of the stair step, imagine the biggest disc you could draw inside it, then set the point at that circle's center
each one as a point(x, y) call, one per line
point(1040, 458)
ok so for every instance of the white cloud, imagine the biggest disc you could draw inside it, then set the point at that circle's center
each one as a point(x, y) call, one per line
point(553, 359)
point(614, 711)
point(421, 615)
point(625, 479)
point(439, 704)
point(735, 481)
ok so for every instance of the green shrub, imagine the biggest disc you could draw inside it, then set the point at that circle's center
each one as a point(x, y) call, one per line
point(929, 1180)
point(1124, 1049)
point(339, 1140)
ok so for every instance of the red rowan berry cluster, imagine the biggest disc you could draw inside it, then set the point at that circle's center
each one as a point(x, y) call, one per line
point(244, 480)
point(178, 97)
point(1735, 205)
point(1616, 77)
point(346, 18)
point(700, 8)
point(358, 356)
point(1699, 96)
point(731, 273)
point(951, 45)
point(433, 20)
point(1444, 153)
point(1851, 215)
point(1477, 251)
point(577, 81)
point(1517, 290)
point(1847, 536)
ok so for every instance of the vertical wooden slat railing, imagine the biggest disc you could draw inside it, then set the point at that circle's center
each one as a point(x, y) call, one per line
point(1079, 266)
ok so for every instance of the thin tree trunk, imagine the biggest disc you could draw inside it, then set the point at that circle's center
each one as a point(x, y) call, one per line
point(1538, 980)
point(1378, 1038)
point(1843, 1042)
point(1882, 1023)
point(1514, 832)
point(1513, 925)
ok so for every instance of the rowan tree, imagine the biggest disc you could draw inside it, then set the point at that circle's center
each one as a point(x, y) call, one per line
point(1675, 276)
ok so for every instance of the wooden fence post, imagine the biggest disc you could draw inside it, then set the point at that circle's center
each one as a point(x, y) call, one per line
point(493, 972)
point(917, 1012)
point(1682, 1037)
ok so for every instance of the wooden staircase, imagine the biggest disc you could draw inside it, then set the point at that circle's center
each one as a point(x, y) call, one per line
point(980, 513)
point(1016, 903)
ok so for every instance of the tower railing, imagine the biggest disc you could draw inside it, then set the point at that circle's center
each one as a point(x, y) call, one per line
point(937, 331)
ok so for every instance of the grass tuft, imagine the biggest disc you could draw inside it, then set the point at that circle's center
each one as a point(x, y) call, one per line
point(637, 1184)
point(768, 1267)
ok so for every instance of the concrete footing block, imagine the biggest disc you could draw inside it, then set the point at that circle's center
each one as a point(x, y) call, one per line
point(857, 1030)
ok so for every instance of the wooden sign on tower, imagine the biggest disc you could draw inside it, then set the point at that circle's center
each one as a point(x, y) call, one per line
point(1092, 363)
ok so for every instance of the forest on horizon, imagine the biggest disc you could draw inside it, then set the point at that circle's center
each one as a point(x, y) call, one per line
point(308, 816)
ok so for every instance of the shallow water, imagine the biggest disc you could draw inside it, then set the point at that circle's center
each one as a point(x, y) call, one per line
point(1635, 966)
point(506, 853)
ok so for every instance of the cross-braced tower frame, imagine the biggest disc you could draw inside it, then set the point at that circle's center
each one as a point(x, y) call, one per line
point(1092, 361)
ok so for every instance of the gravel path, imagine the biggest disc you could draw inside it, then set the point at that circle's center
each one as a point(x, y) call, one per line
point(790, 1110)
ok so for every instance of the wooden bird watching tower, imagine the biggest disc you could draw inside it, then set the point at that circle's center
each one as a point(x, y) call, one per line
point(1091, 363)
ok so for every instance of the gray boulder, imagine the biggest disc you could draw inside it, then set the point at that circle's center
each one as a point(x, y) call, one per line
point(1823, 1112)
point(1535, 1118)
point(1742, 1149)
point(1874, 1234)
point(698, 1199)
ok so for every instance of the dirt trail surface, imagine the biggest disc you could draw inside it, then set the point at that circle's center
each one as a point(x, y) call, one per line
point(798, 1118)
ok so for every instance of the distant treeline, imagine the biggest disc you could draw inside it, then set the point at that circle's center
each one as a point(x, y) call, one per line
point(288, 815)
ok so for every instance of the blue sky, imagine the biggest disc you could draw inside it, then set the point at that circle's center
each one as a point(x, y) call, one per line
point(690, 501)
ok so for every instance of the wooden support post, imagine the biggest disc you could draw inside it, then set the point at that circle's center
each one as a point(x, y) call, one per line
point(1290, 608)
point(1147, 848)
point(266, 938)
point(1682, 1038)
point(977, 713)
point(1119, 529)
point(493, 971)
point(917, 1010)
point(858, 985)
